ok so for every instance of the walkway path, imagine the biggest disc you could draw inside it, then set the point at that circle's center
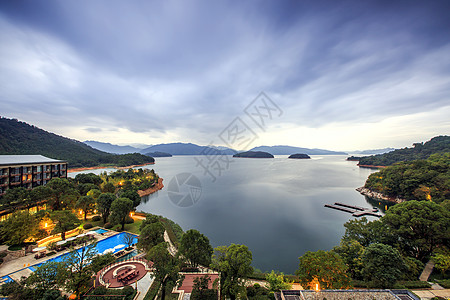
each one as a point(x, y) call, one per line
point(427, 271)
point(172, 249)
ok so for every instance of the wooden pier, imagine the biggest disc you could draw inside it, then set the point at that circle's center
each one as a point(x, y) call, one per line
point(356, 211)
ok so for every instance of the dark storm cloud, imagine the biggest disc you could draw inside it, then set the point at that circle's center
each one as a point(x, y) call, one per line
point(194, 65)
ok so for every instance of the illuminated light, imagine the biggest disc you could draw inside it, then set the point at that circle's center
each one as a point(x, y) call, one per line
point(81, 212)
point(317, 287)
point(131, 214)
point(95, 211)
point(45, 225)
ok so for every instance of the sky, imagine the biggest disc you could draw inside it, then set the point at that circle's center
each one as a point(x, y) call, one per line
point(342, 75)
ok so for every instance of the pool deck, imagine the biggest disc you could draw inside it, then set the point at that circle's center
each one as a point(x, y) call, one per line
point(17, 268)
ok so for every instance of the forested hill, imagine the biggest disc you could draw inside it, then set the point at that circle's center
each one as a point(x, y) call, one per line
point(21, 138)
point(439, 144)
point(415, 180)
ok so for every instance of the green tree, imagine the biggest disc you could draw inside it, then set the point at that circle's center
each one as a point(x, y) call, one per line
point(94, 193)
point(108, 187)
point(86, 204)
point(78, 262)
point(104, 202)
point(201, 290)
point(101, 261)
point(383, 265)
point(120, 208)
point(442, 262)
point(40, 193)
point(366, 233)
point(133, 196)
point(15, 197)
point(64, 220)
point(234, 264)
point(151, 235)
point(84, 188)
point(420, 227)
point(63, 193)
point(351, 253)
point(91, 178)
point(49, 276)
point(277, 282)
point(196, 248)
point(323, 267)
point(19, 227)
point(165, 265)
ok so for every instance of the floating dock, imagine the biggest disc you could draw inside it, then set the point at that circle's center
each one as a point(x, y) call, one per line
point(356, 211)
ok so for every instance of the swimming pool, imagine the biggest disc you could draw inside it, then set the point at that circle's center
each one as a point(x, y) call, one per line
point(6, 279)
point(100, 230)
point(112, 244)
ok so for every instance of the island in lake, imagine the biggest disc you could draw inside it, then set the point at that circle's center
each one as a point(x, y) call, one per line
point(299, 156)
point(158, 154)
point(254, 154)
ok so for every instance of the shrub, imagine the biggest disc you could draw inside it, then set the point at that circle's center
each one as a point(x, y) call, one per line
point(15, 247)
point(3, 254)
point(129, 220)
point(87, 226)
point(412, 285)
point(96, 218)
point(1, 260)
point(50, 253)
point(445, 283)
point(108, 225)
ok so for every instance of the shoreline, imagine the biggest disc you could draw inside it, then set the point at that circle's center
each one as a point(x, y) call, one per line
point(152, 190)
point(72, 170)
point(372, 166)
point(377, 195)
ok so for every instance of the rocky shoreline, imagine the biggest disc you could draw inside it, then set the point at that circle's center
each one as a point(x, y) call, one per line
point(153, 189)
point(370, 166)
point(376, 195)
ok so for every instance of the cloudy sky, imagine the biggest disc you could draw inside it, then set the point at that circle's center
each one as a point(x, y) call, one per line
point(345, 75)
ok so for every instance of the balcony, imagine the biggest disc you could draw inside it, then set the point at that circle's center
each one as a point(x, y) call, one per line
point(3, 184)
point(15, 183)
point(4, 175)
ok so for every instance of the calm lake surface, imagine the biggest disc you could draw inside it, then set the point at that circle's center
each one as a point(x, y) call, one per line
point(274, 206)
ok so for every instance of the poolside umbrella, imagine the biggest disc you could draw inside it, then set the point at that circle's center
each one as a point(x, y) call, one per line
point(119, 247)
point(72, 238)
point(61, 242)
point(81, 235)
point(109, 250)
point(39, 249)
point(90, 233)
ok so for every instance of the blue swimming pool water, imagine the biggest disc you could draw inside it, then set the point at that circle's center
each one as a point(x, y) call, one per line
point(8, 279)
point(100, 230)
point(102, 246)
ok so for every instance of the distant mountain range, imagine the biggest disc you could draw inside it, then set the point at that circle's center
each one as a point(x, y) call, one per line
point(193, 149)
point(188, 149)
point(110, 148)
point(288, 150)
point(21, 138)
point(373, 151)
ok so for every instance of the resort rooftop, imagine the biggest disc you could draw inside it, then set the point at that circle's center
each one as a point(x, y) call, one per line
point(26, 159)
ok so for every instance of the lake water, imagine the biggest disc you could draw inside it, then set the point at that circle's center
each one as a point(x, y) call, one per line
point(274, 206)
